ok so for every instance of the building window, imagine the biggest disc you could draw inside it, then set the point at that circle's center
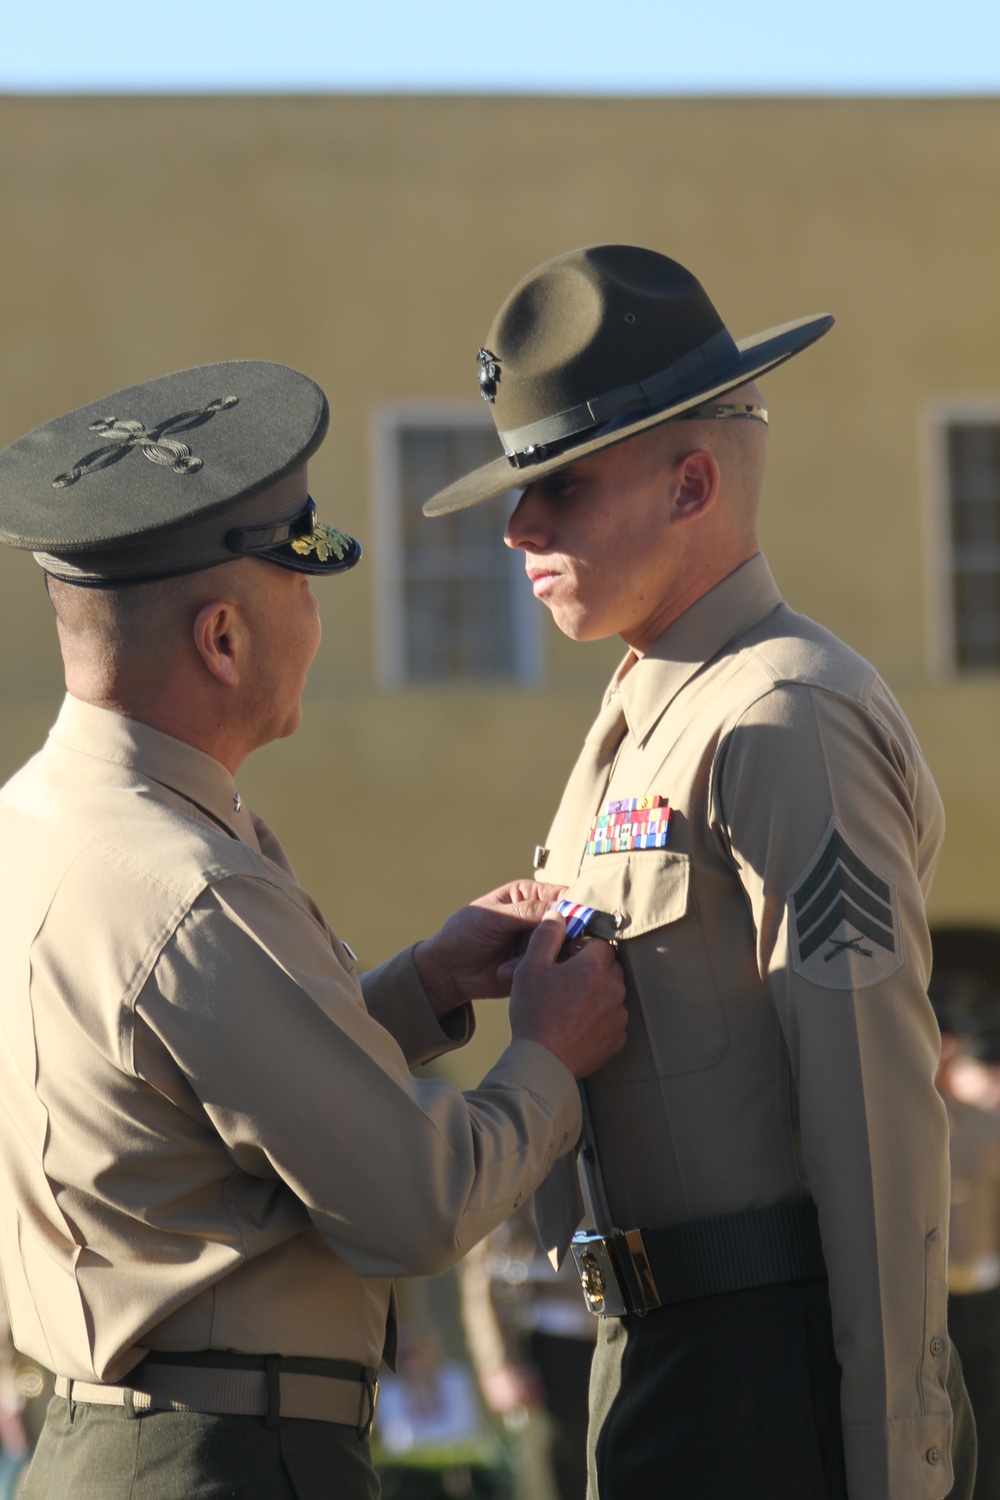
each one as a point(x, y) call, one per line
point(966, 539)
point(454, 604)
point(974, 487)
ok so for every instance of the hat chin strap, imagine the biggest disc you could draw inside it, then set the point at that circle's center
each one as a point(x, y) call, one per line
point(721, 411)
point(247, 540)
point(701, 367)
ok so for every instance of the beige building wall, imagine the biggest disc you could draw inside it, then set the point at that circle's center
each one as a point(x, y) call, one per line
point(368, 242)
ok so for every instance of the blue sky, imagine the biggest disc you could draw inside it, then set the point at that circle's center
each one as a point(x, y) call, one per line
point(565, 46)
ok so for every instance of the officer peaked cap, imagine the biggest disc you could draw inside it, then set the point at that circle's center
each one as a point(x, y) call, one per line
point(175, 475)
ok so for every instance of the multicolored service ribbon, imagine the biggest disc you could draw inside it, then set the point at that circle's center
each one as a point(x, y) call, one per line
point(630, 823)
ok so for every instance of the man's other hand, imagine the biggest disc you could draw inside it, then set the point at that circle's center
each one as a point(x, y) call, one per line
point(576, 1008)
point(476, 952)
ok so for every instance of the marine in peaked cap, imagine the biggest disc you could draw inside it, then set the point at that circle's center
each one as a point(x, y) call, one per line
point(220, 1156)
point(766, 1160)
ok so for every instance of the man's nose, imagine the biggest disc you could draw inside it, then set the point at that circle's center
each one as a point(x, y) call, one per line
point(527, 528)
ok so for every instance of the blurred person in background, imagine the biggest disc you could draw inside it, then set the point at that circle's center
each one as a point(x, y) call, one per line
point(965, 993)
point(433, 1440)
point(975, 1073)
point(531, 1341)
point(24, 1391)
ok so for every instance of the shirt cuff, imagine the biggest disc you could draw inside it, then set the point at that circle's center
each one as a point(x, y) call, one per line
point(906, 1459)
point(533, 1067)
point(396, 998)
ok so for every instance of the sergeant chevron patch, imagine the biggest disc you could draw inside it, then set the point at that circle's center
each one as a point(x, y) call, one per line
point(842, 918)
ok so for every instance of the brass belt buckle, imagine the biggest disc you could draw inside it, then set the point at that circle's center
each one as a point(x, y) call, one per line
point(599, 1277)
point(615, 1274)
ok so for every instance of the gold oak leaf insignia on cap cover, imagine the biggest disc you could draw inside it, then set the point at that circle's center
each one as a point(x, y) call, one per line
point(325, 541)
point(155, 443)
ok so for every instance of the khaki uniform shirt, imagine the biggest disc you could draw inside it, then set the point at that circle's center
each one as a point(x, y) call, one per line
point(780, 1042)
point(974, 1238)
point(208, 1139)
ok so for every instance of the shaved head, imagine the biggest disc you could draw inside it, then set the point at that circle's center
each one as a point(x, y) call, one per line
point(217, 658)
point(739, 447)
point(126, 635)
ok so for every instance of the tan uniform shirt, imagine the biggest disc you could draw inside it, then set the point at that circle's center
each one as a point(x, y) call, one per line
point(974, 1238)
point(207, 1138)
point(780, 1039)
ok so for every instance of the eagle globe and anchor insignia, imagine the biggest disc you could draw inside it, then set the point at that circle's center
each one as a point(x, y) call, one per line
point(592, 1282)
point(489, 374)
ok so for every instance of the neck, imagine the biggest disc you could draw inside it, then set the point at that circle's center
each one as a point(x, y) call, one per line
point(694, 585)
point(199, 724)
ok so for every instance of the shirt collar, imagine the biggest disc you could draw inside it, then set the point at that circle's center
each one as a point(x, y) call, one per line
point(197, 777)
point(648, 685)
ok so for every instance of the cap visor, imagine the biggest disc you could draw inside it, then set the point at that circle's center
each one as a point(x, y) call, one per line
point(312, 562)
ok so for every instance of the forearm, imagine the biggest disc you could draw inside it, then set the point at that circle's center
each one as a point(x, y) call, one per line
point(397, 998)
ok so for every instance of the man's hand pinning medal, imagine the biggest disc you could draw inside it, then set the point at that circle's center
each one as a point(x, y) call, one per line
point(474, 955)
point(574, 1006)
point(511, 942)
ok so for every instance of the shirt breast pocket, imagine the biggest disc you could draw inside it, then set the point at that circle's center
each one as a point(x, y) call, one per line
point(676, 1021)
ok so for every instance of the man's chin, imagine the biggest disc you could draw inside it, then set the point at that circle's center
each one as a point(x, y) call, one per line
point(581, 629)
point(288, 726)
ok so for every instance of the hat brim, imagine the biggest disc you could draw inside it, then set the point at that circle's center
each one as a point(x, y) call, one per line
point(758, 354)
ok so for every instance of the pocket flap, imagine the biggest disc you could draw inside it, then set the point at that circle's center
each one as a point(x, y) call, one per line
point(647, 887)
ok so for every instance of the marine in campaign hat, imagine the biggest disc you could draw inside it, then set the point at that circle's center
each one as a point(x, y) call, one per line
point(752, 806)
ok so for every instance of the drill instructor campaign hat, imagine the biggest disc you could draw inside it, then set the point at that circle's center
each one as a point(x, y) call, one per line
point(175, 475)
point(598, 345)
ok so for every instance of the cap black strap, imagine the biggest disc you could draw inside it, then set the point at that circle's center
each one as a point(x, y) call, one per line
point(700, 367)
point(250, 539)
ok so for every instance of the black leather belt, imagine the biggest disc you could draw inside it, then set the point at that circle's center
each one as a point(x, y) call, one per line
point(637, 1270)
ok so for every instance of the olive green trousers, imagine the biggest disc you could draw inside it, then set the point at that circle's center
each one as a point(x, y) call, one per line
point(90, 1452)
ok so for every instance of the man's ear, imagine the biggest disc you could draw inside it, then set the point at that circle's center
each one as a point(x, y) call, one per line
point(697, 485)
point(221, 638)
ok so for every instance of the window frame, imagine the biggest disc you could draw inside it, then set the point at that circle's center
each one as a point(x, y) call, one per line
point(387, 418)
point(940, 415)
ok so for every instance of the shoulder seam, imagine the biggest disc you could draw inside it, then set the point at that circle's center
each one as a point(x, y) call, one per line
point(776, 681)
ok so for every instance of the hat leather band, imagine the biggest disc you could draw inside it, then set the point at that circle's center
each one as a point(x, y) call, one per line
point(251, 539)
point(711, 360)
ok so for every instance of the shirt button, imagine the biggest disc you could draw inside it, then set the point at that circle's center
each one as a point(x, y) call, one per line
point(933, 1455)
point(937, 1344)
